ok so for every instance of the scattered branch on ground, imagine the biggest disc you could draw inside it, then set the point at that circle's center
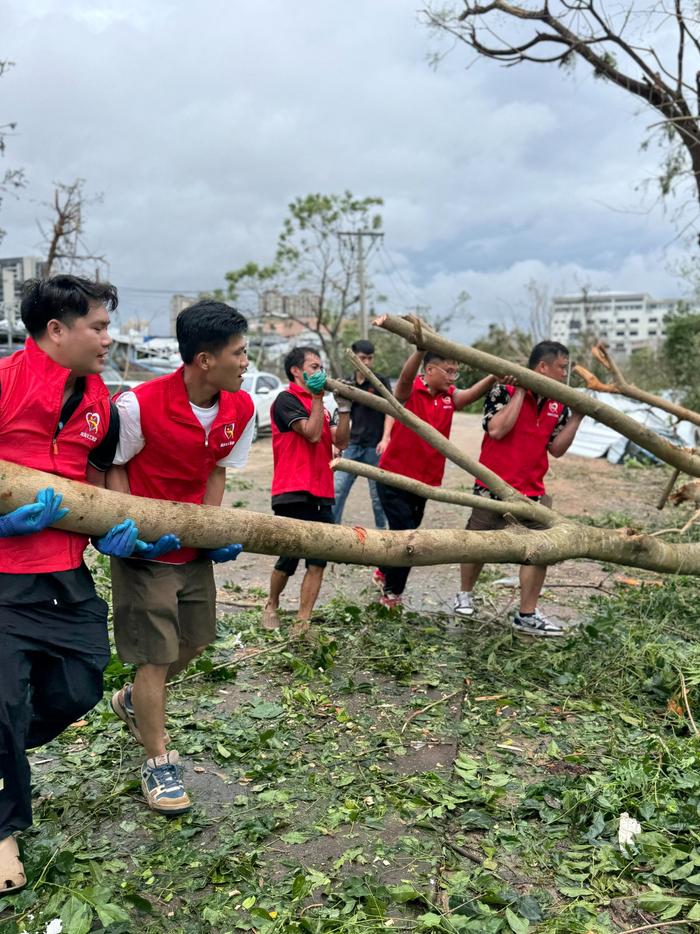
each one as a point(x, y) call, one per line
point(418, 713)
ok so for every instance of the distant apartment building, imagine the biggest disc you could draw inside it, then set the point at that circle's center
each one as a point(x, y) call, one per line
point(14, 270)
point(626, 321)
point(301, 304)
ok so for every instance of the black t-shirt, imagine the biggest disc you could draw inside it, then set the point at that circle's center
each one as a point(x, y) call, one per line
point(367, 425)
point(287, 409)
point(75, 585)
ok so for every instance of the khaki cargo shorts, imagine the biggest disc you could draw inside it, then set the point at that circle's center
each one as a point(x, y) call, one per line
point(159, 607)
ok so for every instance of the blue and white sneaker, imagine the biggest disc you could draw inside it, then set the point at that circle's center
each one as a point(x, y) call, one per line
point(161, 782)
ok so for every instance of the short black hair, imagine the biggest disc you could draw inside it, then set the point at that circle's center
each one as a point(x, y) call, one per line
point(548, 351)
point(207, 326)
point(296, 357)
point(431, 357)
point(363, 346)
point(64, 298)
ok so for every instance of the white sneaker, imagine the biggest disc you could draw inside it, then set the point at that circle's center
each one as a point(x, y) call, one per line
point(538, 625)
point(464, 604)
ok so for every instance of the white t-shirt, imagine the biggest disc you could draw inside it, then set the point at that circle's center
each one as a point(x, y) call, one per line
point(131, 439)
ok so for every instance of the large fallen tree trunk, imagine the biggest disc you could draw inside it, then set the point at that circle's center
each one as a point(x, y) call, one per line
point(426, 339)
point(94, 510)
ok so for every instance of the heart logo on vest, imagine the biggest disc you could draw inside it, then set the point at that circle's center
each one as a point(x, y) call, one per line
point(93, 421)
point(229, 430)
point(553, 406)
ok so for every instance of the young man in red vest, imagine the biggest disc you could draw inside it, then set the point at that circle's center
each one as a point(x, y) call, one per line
point(433, 397)
point(302, 482)
point(522, 430)
point(56, 416)
point(178, 435)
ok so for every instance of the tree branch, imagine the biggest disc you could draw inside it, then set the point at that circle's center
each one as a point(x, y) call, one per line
point(518, 510)
point(622, 386)
point(93, 511)
point(440, 442)
point(551, 389)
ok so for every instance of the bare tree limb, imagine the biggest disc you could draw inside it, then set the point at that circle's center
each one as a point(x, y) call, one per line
point(394, 408)
point(622, 386)
point(518, 510)
point(551, 389)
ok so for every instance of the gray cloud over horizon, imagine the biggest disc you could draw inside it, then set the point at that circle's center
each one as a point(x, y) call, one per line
point(201, 124)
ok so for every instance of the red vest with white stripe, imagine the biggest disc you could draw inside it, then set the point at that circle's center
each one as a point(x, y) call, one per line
point(32, 386)
point(301, 465)
point(178, 456)
point(521, 458)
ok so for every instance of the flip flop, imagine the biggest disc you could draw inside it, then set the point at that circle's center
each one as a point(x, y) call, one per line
point(12, 876)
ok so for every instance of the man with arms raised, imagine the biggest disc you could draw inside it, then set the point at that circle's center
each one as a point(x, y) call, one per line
point(521, 430)
point(433, 397)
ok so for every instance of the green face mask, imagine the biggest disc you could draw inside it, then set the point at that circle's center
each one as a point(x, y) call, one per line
point(316, 382)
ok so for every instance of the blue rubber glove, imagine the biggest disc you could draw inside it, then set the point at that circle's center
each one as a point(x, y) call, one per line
point(227, 553)
point(120, 541)
point(316, 382)
point(164, 544)
point(43, 512)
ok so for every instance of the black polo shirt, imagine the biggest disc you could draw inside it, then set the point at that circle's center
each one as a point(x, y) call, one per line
point(367, 425)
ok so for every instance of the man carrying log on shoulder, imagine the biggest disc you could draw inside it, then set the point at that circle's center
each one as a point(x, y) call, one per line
point(433, 397)
point(178, 435)
point(302, 480)
point(55, 416)
point(521, 430)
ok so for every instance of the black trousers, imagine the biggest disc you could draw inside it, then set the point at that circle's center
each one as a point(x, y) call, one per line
point(44, 686)
point(403, 510)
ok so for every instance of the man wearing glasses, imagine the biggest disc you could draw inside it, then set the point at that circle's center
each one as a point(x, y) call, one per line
point(433, 397)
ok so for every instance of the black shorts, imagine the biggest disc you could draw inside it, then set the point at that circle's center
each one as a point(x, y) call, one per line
point(78, 627)
point(309, 511)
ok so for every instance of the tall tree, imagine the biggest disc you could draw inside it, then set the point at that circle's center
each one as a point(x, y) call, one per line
point(623, 44)
point(11, 179)
point(316, 251)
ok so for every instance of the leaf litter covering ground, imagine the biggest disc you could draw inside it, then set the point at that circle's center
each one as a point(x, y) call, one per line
point(399, 772)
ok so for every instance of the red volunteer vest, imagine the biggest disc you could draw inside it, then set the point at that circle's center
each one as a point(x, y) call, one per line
point(407, 453)
point(300, 465)
point(521, 458)
point(31, 401)
point(177, 458)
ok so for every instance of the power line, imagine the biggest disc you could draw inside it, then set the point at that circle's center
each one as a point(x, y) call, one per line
point(409, 287)
point(404, 298)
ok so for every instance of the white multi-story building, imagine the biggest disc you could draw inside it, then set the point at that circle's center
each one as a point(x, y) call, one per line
point(14, 270)
point(626, 321)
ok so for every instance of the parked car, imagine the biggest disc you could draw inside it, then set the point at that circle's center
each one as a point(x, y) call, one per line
point(264, 388)
point(112, 378)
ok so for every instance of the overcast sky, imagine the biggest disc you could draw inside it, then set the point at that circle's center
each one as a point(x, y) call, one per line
point(200, 122)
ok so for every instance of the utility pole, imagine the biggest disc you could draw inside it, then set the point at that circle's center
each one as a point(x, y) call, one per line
point(360, 234)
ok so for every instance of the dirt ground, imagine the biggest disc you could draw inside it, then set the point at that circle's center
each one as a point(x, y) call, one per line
point(326, 770)
point(580, 487)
